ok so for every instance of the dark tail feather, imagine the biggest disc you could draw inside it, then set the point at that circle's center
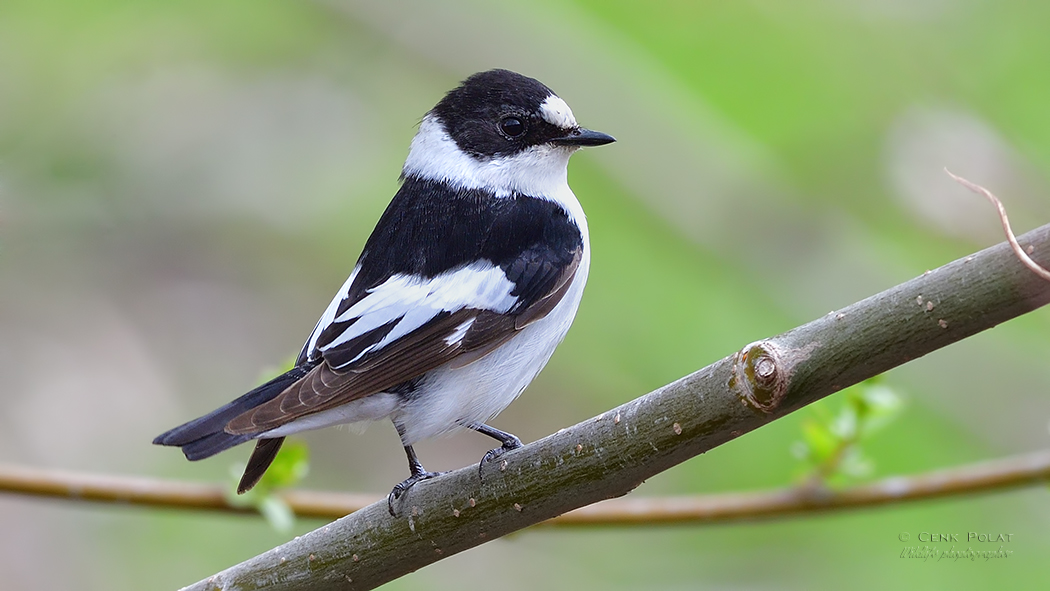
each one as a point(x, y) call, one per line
point(263, 454)
point(204, 437)
point(209, 445)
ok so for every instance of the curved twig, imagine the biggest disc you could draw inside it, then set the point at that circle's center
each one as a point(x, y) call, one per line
point(1021, 254)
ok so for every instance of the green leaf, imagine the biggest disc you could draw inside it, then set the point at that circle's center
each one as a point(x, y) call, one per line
point(819, 440)
point(277, 513)
point(289, 467)
point(846, 424)
point(855, 464)
point(881, 405)
point(831, 441)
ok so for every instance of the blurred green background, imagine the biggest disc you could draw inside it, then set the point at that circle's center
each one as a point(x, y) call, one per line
point(184, 185)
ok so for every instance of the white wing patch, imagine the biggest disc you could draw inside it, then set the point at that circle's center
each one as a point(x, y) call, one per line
point(557, 112)
point(329, 312)
point(412, 301)
point(459, 333)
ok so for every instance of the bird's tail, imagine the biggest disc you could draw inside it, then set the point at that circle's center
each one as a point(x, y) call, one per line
point(205, 436)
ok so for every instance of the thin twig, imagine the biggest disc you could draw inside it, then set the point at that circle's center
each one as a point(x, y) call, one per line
point(170, 494)
point(1021, 254)
point(999, 474)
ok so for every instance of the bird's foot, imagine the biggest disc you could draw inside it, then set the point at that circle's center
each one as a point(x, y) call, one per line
point(511, 442)
point(408, 483)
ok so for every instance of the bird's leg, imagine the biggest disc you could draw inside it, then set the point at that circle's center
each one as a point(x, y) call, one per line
point(418, 473)
point(415, 468)
point(509, 442)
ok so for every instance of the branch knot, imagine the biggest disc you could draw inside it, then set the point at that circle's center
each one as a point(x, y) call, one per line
point(758, 377)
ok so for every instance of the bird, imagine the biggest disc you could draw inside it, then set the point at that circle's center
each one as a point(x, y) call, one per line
point(467, 284)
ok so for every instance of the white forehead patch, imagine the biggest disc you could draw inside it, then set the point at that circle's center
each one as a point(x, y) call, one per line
point(556, 112)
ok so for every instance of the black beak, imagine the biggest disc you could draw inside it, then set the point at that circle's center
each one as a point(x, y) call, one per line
point(583, 137)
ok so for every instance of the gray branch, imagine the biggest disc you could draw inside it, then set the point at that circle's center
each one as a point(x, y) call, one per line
point(611, 454)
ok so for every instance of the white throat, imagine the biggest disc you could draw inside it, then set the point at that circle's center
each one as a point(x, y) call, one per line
point(540, 171)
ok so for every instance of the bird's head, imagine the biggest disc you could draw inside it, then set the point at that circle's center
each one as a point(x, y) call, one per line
point(499, 131)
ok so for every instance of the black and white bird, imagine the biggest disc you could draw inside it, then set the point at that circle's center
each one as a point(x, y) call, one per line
point(467, 284)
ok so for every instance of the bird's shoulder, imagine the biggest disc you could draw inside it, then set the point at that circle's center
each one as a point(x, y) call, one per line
point(431, 227)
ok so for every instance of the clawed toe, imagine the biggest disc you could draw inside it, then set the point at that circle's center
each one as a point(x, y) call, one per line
point(403, 487)
point(493, 454)
point(509, 442)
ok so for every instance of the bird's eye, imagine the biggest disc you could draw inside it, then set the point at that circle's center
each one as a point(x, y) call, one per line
point(512, 127)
